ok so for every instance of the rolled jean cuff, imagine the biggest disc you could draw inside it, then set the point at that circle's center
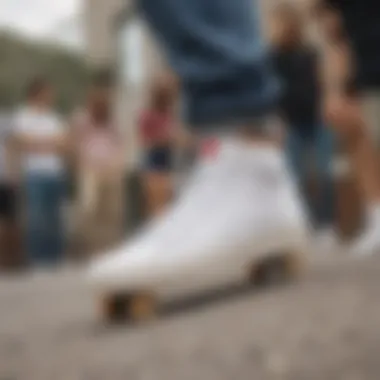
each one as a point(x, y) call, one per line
point(245, 106)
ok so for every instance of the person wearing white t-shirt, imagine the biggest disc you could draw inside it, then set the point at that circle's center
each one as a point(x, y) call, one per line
point(42, 143)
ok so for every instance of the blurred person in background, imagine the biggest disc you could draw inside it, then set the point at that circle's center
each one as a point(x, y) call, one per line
point(9, 200)
point(158, 129)
point(351, 31)
point(99, 151)
point(308, 140)
point(42, 144)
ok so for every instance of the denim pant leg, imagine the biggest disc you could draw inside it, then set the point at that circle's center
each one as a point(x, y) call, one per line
point(54, 240)
point(218, 51)
point(324, 148)
point(296, 150)
point(35, 218)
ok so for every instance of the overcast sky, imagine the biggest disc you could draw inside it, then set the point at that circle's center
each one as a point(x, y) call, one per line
point(36, 18)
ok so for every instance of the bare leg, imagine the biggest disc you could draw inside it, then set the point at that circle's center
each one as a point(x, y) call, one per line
point(158, 192)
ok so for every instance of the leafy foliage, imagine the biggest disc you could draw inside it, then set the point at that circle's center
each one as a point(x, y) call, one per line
point(21, 60)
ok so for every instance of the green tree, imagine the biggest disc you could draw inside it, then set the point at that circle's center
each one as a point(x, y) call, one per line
point(21, 60)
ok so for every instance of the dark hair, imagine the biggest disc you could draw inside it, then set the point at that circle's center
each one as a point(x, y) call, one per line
point(99, 105)
point(36, 86)
point(320, 7)
point(98, 97)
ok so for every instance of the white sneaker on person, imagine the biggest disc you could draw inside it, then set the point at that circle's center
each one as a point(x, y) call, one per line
point(240, 203)
point(327, 242)
point(368, 243)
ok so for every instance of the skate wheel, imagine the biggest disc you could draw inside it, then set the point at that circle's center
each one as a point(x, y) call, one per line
point(277, 270)
point(137, 307)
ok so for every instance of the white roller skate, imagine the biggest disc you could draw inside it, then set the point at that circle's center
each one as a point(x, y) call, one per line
point(240, 216)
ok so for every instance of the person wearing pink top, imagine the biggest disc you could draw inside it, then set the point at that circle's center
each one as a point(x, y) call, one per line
point(100, 158)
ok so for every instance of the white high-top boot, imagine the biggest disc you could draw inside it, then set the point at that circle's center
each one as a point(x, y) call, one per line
point(240, 204)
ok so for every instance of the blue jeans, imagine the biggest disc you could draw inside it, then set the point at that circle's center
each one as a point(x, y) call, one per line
point(217, 49)
point(320, 145)
point(44, 227)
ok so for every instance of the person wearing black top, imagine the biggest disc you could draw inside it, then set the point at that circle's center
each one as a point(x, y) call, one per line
point(297, 64)
point(351, 30)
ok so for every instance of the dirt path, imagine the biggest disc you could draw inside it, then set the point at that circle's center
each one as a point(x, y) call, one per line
point(325, 327)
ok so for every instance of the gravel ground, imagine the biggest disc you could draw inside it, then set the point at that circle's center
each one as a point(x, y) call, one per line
point(324, 327)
